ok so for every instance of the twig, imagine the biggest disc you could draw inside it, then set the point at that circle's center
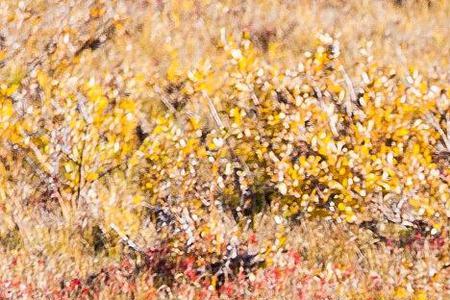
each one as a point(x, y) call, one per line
point(100, 38)
point(352, 94)
point(80, 169)
point(214, 113)
point(169, 105)
point(126, 239)
point(48, 179)
point(37, 153)
point(445, 137)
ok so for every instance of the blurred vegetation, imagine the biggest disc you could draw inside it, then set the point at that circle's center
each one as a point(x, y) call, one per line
point(207, 149)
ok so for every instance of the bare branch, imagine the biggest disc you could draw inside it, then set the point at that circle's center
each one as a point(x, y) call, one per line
point(214, 113)
point(351, 90)
point(126, 239)
point(445, 136)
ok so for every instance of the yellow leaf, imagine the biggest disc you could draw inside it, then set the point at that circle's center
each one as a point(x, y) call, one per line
point(402, 131)
point(44, 82)
point(214, 281)
point(128, 105)
point(101, 104)
point(97, 12)
point(400, 293)
point(137, 199)
point(415, 203)
point(195, 123)
point(173, 70)
point(6, 110)
point(91, 176)
point(12, 89)
point(68, 167)
point(420, 295)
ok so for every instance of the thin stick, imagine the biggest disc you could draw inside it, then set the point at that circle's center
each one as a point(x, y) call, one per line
point(165, 101)
point(439, 129)
point(126, 239)
point(352, 94)
point(214, 113)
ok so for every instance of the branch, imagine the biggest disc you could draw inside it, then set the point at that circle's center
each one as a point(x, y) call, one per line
point(126, 239)
point(80, 169)
point(214, 113)
point(349, 83)
point(445, 137)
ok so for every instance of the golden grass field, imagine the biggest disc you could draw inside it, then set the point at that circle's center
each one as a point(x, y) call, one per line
point(224, 149)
